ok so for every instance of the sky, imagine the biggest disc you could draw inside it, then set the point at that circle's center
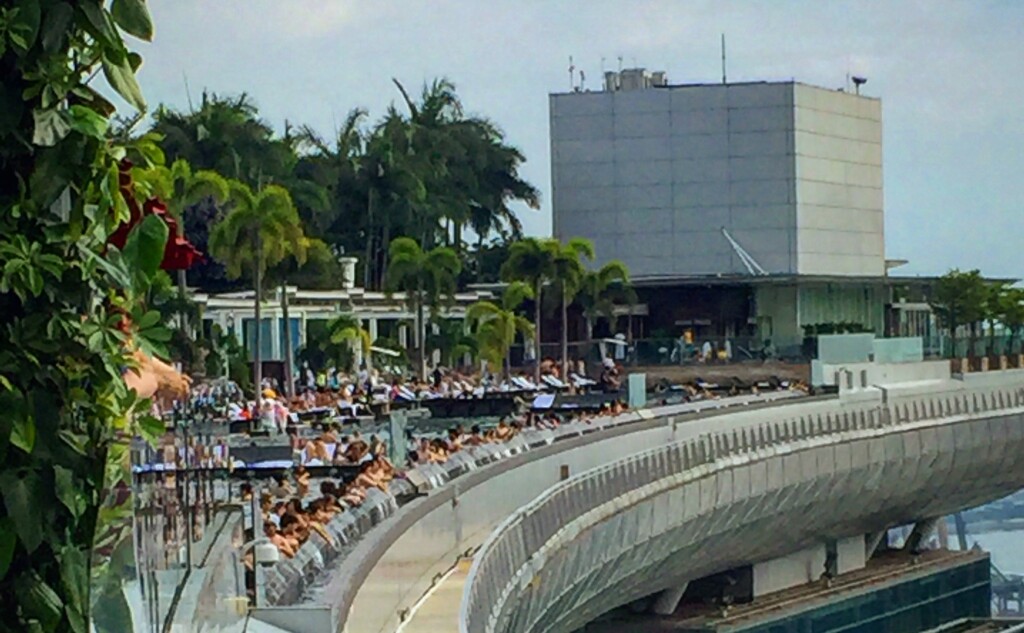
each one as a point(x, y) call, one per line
point(948, 73)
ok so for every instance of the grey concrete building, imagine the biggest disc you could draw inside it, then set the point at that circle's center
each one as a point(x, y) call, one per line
point(747, 209)
point(792, 172)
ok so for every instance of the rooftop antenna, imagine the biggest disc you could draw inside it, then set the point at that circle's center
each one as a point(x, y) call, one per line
point(723, 59)
point(620, 63)
point(602, 65)
point(572, 71)
point(583, 79)
point(858, 82)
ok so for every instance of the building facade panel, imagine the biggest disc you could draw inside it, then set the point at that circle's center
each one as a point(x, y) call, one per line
point(793, 172)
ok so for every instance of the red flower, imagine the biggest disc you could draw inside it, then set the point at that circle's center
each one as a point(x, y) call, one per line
point(179, 253)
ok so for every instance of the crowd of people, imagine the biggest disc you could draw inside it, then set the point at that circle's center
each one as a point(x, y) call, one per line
point(290, 513)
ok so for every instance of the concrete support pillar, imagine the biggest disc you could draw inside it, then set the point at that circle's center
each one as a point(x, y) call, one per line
point(871, 542)
point(372, 329)
point(403, 336)
point(923, 530)
point(668, 600)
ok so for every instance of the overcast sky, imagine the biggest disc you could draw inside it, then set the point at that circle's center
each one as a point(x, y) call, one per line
point(949, 75)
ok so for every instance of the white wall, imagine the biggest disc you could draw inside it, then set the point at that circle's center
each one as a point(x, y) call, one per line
point(838, 141)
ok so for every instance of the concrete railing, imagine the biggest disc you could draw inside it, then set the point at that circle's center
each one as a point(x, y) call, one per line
point(528, 558)
point(372, 587)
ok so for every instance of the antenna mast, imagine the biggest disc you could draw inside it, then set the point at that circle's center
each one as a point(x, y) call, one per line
point(723, 59)
point(572, 71)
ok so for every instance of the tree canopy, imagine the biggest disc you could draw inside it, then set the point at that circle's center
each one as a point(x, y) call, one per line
point(424, 170)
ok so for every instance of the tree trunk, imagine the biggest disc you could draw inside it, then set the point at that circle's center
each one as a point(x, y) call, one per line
point(536, 332)
point(457, 238)
point(289, 379)
point(369, 267)
point(421, 343)
point(385, 244)
point(565, 333)
point(479, 258)
point(257, 370)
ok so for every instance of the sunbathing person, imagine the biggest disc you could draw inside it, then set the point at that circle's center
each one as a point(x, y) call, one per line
point(475, 437)
point(352, 494)
point(316, 453)
point(369, 479)
point(283, 544)
point(302, 481)
point(454, 443)
point(503, 432)
point(438, 451)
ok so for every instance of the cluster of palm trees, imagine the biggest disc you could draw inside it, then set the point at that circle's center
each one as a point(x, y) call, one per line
point(425, 170)
point(543, 272)
point(414, 197)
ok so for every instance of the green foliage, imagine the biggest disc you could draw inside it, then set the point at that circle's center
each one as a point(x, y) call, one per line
point(600, 290)
point(842, 327)
point(494, 328)
point(68, 415)
point(335, 343)
point(428, 172)
point(429, 279)
point(261, 230)
point(960, 298)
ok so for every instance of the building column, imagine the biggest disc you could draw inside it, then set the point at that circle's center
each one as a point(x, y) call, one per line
point(372, 329)
point(403, 336)
point(275, 337)
point(668, 600)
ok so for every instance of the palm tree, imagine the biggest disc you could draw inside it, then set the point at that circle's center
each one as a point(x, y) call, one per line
point(346, 330)
point(599, 290)
point(531, 261)
point(566, 277)
point(495, 327)
point(427, 277)
point(259, 231)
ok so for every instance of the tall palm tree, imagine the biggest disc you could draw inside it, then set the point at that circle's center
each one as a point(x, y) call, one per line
point(531, 261)
point(567, 275)
point(600, 290)
point(260, 230)
point(313, 254)
point(495, 327)
point(180, 188)
point(427, 277)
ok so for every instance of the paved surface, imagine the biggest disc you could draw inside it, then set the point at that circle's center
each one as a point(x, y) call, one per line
point(440, 610)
